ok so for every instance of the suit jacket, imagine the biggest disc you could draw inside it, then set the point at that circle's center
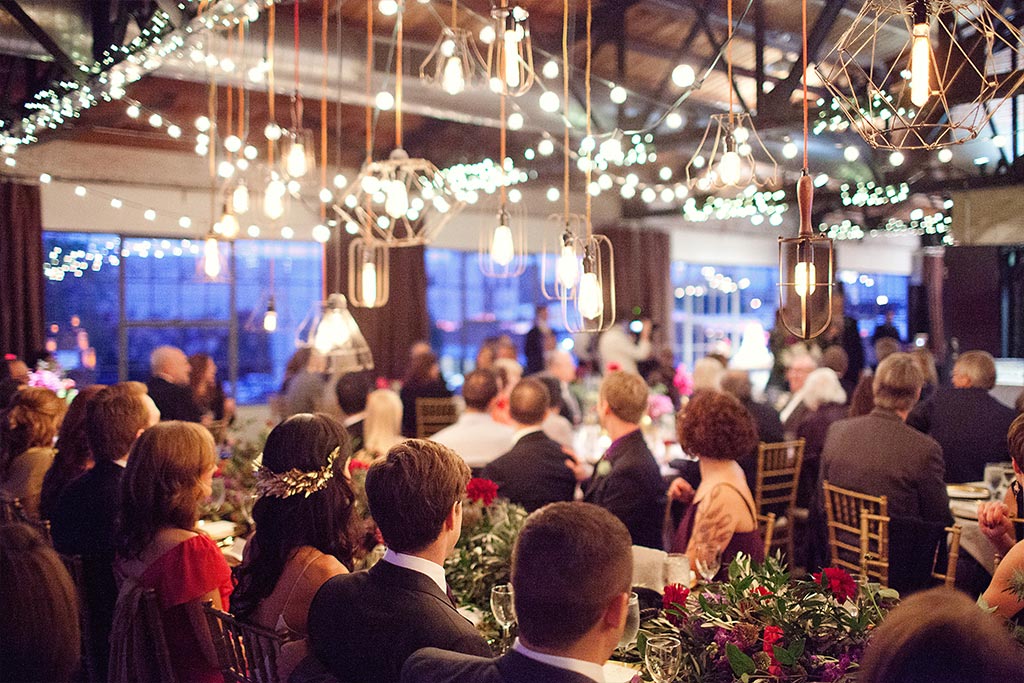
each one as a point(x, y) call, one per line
point(766, 418)
point(437, 666)
point(878, 455)
point(534, 350)
point(363, 626)
point(174, 400)
point(970, 426)
point(533, 473)
point(632, 490)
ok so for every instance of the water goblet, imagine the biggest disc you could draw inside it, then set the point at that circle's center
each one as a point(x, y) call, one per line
point(663, 658)
point(504, 611)
point(709, 561)
point(632, 623)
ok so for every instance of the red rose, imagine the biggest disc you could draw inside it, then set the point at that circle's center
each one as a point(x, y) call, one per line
point(357, 465)
point(382, 383)
point(482, 490)
point(761, 590)
point(772, 635)
point(841, 584)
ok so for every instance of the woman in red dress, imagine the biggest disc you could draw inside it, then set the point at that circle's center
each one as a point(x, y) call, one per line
point(169, 473)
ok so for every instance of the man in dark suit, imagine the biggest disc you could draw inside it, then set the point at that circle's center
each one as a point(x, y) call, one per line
point(84, 516)
point(627, 481)
point(539, 341)
point(571, 573)
point(967, 422)
point(363, 626)
point(352, 389)
point(168, 386)
point(534, 473)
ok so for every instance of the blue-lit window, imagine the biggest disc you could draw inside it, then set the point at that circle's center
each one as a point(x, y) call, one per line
point(166, 301)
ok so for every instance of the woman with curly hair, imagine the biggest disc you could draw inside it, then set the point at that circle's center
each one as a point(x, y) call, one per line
point(718, 430)
point(27, 429)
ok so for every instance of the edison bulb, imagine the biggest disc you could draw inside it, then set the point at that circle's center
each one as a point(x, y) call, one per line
point(567, 267)
point(229, 226)
point(272, 132)
point(920, 66)
point(370, 184)
point(503, 249)
point(270, 320)
point(453, 81)
point(369, 283)
point(729, 168)
point(803, 279)
point(232, 143)
point(331, 332)
point(295, 164)
point(590, 299)
point(211, 258)
point(240, 199)
point(511, 38)
point(397, 203)
point(273, 199)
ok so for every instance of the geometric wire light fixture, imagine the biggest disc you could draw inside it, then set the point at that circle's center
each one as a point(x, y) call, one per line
point(955, 68)
point(453, 61)
point(805, 261)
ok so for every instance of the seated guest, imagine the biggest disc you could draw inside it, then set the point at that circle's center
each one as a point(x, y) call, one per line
point(84, 517)
point(305, 530)
point(834, 358)
point(885, 347)
point(926, 362)
point(39, 631)
point(800, 366)
point(169, 385)
point(539, 342)
point(306, 387)
point(562, 367)
point(994, 516)
point(169, 473)
point(862, 401)
point(716, 429)
point(707, 374)
point(571, 571)
point(73, 456)
point(383, 424)
point(554, 425)
point(766, 418)
point(940, 635)
point(423, 381)
point(1003, 593)
point(363, 626)
point(967, 422)
point(826, 403)
point(27, 429)
point(533, 473)
point(627, 481)
point(207, 392)
point(351, 391)
point(476, 436)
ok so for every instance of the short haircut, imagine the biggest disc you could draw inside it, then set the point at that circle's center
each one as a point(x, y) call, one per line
point(885, 347)
point(707, 373)
point(569, 561)
point(31, 421)
point(897, 383)
point(716, 425)
point(941, 635)
point(822, 386)
point(626, 395)
point(352, 389)
point(529, 402)
point(412, 490)
point(115, 417)
point(977, 366)
point(479, 389)
point(737, 383)
point(161, 355)
point(1015, 441)
point(836, 359)
point(926, 362)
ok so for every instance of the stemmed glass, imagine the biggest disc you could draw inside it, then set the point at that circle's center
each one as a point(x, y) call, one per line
point(632, 622)
point(708, 560)
point(503, 608)
point(663, 658)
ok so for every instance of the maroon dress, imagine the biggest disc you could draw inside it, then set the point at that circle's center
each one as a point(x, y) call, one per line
point(749, 543)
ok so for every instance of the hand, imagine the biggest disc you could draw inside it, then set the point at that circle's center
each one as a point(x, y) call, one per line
point(680, 490)
point(994, 520)
point(579, 469)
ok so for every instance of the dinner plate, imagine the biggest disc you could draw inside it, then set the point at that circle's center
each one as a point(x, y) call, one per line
point(968, 492)
point(964, 509)
point(617, 673)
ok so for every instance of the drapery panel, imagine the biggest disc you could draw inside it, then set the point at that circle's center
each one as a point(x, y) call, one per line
point(21, 269)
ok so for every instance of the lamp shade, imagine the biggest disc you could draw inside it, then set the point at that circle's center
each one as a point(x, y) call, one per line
point(333, 332)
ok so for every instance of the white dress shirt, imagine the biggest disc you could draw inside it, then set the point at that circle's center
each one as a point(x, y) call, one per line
point(592, 671)
point(476, 437)
point(525, 431)
point(432, 571)
point(616, 347)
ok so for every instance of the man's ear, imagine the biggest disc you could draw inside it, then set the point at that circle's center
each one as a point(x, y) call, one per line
point(450, 521)
point(615, 612)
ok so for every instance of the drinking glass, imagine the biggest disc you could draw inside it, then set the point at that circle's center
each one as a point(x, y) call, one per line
point(677, 569)
point(503, 608)
point(218, 494)
point(663, 658)
point(709, 561)
point(632, 622)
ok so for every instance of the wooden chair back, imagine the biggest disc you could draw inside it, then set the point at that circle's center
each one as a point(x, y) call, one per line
point(843, 509)
point(12, 510)
point(948, 578)
point(874, 547)
point(433, 415)
point(246, 653)
point(778, 475)
point(766, 525)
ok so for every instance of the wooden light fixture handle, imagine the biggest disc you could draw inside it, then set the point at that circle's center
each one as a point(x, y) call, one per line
point(804, 198)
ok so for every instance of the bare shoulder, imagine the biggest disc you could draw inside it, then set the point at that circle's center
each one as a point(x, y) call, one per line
point(324, 568)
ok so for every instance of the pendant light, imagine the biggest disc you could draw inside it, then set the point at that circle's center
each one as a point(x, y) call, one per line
point(265, 316)
point(731, 153)
point(502, 249)
point(805, 261)
point(510, 54)
point(211, 266)
point(299, 157)
point(453, 61)
point(942, 87)
point(332, 332)
point(368, 273)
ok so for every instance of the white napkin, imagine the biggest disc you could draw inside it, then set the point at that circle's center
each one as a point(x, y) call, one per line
point(649, 568)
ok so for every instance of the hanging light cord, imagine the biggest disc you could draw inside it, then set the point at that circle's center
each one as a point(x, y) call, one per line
point(398, 79)
point(324, 22)
point(270, 79)
point(455, 14)
point(728, 61)
point(369, 81)
point(803, 19)
point(565, 106)
point(501, 153)
point(590, 151)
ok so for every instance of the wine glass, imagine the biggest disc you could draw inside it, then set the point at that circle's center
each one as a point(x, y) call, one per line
point(504, 610)
point(632, 622)
point(709, 561)
point(663, 658)
point(218, 494)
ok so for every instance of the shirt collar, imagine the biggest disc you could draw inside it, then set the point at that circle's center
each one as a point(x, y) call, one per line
point(525, 431)
point(434, 572)
point(592, 671)
point(611, 453)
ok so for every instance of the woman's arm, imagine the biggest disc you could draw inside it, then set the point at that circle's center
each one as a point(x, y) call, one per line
point(1006, 603)
point(717, 518)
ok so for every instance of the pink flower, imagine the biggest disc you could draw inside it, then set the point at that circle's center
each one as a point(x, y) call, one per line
point(682, 380)
point(658, 405)
point(357, 465)
point(382, 383)
point(841, 584)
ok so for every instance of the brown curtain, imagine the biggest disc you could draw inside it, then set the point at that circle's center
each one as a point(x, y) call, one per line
point(643, 262)
point(393, 328)
point(21, 270)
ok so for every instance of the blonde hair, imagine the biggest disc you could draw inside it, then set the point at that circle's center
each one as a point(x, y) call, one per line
point(897, 382)
point(31, 421)
point(926, 364)
point(707, 374)
point(822, 386)
point(382, 428)
point(978, 367)
point(162, 484)
point(626, 395)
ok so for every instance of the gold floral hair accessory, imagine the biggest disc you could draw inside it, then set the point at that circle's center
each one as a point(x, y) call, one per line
point(294, 481)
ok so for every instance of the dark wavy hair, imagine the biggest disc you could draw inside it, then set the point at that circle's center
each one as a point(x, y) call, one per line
point(716, 425)
point(325, 520)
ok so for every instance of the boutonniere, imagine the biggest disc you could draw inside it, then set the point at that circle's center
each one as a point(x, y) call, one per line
point(603, 468)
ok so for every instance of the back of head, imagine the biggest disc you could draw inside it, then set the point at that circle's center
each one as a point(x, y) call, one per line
point(421, 367)
point(941, 635)
point(863, 400)
point(383, 423)
point(926, 363)
point(412, 490)
point(561, 365)
point(716, 425)
point(737, 383)
point(1015, 441)
point(822, 386)
point(116, 416)
point(626, 395)
point(163, 482)
point(885, 347)
point(199, 363)
point(836, 358)
point(479, 389)
point(529, 402)
point(162, 357)
point(569, 561)
point(897, 383)
point(978, 367)
point(72, 443)
point(31, 421)
point(509, 372)
point(707, 374)
point(352, 389)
